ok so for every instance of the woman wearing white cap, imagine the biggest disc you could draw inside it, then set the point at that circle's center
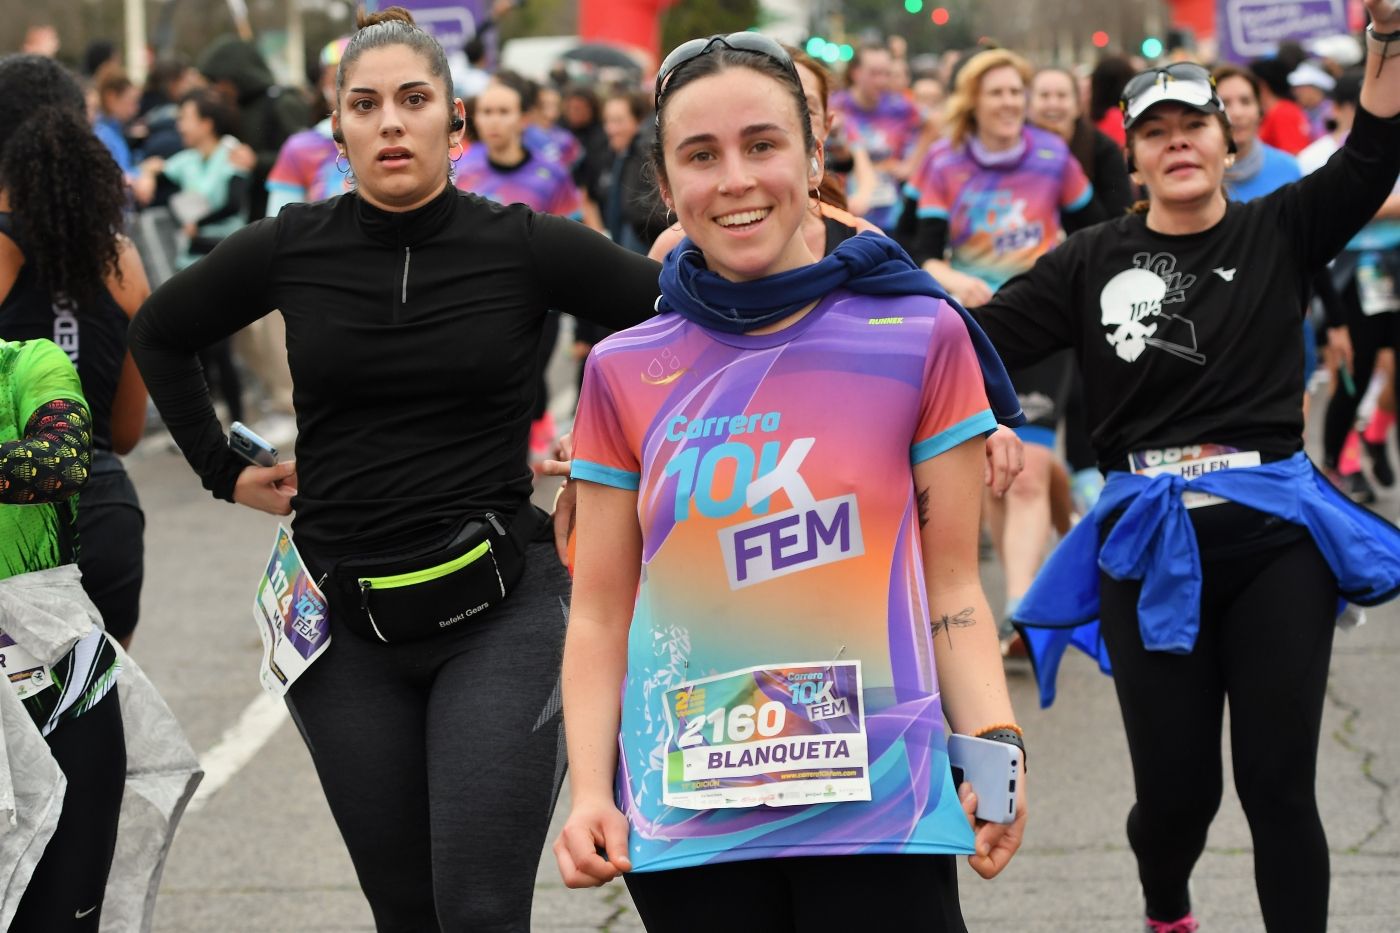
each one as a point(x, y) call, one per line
point(1311, 87)
point(1186, 322)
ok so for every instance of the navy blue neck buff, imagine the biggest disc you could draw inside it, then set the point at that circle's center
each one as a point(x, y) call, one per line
point(868, 264)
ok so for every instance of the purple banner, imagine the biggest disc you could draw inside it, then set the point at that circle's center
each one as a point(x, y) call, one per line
point(1249, 29)
point(451, 22)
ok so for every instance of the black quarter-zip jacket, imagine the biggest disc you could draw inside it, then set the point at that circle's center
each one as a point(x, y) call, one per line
point(411, 338)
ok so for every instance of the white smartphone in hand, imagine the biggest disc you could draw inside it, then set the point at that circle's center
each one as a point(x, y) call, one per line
point(993, 769)
point(243, 441)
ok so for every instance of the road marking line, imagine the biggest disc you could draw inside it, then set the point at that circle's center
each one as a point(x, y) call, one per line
point(259, 721)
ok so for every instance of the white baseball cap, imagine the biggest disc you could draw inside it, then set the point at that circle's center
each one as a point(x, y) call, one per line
point(1310, 74)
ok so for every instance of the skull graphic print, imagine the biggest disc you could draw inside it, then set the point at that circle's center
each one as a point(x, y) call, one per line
point(1131, 310)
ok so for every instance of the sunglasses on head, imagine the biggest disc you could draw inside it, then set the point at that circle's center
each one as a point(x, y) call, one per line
point(1180, 71)
point(687, 52)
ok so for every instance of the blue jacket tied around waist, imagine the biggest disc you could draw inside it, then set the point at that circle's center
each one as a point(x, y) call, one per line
point(1155, 542)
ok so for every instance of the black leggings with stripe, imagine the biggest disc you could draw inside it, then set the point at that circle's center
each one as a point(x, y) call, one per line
point(441, 759)
point(66, 891)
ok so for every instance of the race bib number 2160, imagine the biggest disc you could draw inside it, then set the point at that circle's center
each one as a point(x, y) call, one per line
point(782, 736)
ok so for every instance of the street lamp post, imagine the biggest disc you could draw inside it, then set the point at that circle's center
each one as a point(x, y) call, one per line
point(135, 21)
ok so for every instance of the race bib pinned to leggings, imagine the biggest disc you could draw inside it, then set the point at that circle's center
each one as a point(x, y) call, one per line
point(290, 612)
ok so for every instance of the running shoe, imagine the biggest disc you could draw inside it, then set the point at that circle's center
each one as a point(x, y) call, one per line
point(1186, 924)
point(1380, 463)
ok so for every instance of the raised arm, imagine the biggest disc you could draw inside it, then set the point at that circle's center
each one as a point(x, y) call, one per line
point(1380, 89)
point(1327, 208)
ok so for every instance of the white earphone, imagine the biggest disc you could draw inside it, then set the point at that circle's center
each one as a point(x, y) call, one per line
point(816, 166)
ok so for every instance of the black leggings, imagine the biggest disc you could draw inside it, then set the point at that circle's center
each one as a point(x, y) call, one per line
point(441, 759)
point(66, 891)
point(787, 895)
point(1368, 336)
point(1265, 640)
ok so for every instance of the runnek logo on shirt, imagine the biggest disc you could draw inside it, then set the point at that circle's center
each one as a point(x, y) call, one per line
point(810, 534)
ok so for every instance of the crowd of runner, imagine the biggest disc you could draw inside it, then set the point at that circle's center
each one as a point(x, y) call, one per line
point(880, 316)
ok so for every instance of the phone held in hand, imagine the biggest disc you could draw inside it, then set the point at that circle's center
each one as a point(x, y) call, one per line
point(993, 769)
point(243, 441)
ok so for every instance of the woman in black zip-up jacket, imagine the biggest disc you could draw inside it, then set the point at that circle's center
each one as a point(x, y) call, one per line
point(413, 315)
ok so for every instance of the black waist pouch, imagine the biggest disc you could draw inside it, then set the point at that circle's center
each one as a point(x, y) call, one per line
point(411, 596)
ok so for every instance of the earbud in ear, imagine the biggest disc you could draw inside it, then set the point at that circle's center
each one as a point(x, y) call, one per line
point(816, 166)
point(456, 123)
point(1132, 166)
point(338, 136)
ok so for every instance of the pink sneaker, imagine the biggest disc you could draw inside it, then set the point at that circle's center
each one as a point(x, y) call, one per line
point(1186, 924)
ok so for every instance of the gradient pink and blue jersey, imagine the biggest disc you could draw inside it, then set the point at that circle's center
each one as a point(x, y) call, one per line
point(1001, 218)
point(779, 527)
point(888, 131)
point(541, 186)
point(553, 144)
point(305, 169)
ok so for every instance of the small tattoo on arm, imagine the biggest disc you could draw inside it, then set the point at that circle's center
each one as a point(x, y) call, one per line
point(946, 623)
point(923, 507)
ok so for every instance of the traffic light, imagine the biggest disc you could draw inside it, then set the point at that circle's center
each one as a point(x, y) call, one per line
point(1151, 47)
point(914, 6)
point(940, 16)
point(816, 46)
point(1100, 39)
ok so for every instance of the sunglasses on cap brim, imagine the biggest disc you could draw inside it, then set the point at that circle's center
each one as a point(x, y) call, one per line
point(1184, 83)
point(688, 51)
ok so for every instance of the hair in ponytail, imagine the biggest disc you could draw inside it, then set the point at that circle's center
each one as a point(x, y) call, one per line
point(67, 195)
point(392, 26)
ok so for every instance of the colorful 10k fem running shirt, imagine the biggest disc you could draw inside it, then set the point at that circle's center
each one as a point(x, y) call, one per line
point(887, 131)
point(306, 169)
point(1001, 218)
point(543, 187)
point(781, 697)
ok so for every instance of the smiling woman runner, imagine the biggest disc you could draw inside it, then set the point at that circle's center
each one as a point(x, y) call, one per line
point(790, 549)
point(413, 317)
point(828, 223)
point(1186, 321)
